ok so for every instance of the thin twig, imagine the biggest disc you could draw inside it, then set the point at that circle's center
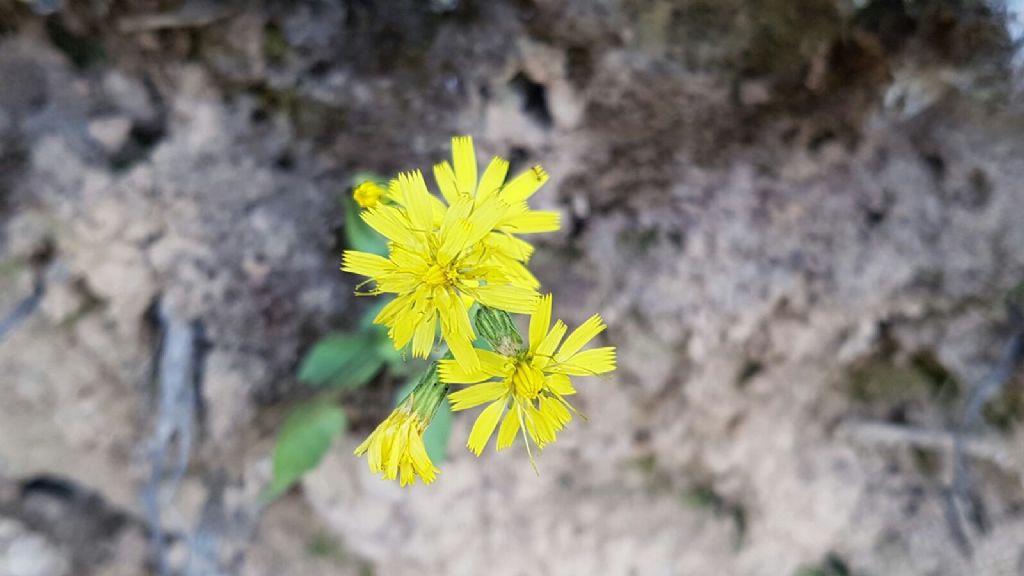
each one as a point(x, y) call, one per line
point(206, 539)
point(23, 309)
point(195, 14)
point(175, 422)
point(961, 503)
point(895, 435)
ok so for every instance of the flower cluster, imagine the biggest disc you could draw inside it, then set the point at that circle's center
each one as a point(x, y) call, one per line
point(448, 256)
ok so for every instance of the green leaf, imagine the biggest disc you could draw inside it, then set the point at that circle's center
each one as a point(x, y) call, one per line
point(358, 234)
point(304, 440)
point(366, 322)
point(393, 358)
point(396, 360)
point(342, 360)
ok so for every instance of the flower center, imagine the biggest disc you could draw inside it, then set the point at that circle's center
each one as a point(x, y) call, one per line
point(437, 276)
point(527, 381)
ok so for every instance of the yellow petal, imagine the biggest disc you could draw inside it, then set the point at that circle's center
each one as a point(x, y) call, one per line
point(394, 457)
point(493, 363)
point(580, 337)
point(507, 298)
point(421, 460)
point(366, 264)
point(531, 222)
point(402, 329)
point(508, 430)
point(540, 430)
point(540, 321)
point(408, 476)
point(400, 305)
point(399, 282)
point(462, 350)
point(493, 178)
point(510, 246)
point(459, 210)
point(547, 346)
point(587, 363)
point(389, 223)
point(423, 338)
point(465, 164)
point(456, 329)
point(407, 259)
point(394, 191)
point(484, 426)
point(555, 412)
point(560, 384)
point(485, 217)
point(445, 178)
point(454, 240)
point(524, 185)
point(454, 373)
point(518, 274)
point(454, 313)
point(417, 200)
point(477, 394)
point(438, 210)
point(376, 457)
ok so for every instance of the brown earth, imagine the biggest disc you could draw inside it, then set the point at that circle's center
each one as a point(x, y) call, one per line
point(799, 218)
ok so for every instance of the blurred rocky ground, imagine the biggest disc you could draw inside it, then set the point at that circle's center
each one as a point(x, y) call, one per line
point(799, 217)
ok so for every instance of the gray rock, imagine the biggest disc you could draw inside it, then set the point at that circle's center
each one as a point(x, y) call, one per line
point(26, 553)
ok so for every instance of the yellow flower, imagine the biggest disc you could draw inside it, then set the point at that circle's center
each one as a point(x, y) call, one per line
point(528, 387)
point(437, 270)
point(368, 194)
point(461, 181)
point(396, 448)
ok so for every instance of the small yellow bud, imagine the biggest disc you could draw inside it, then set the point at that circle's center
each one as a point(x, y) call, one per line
point(368, 194)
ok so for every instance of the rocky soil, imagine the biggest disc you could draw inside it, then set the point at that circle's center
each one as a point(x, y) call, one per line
point(801, 220)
